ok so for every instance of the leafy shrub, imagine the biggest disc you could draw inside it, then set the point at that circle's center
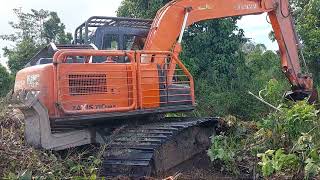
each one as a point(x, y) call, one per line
point(286, 142)
point(273, 91)
point(277, 161)
point(312, 164)
point(221, 150)
point(295, 129)
point(227, 146)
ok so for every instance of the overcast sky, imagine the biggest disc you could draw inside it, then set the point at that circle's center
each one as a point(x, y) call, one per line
point(73, 13)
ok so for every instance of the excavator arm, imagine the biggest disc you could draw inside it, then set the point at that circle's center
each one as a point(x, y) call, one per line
point(170, 22)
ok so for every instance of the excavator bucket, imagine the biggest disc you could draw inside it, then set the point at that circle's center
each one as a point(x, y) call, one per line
point(310, 96)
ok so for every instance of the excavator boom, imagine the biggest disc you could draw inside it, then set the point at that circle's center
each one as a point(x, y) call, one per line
point(179, 14)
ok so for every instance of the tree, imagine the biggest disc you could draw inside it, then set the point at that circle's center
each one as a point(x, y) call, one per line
point(212, 52)
point(265, 65)
point(307, 13)
point(20, 55)
point(32, 31)
point(140, 8)
point(54, 30)
point(5, 81)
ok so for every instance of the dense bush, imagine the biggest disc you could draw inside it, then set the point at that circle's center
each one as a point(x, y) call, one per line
point(286, 143)
point(6, 81)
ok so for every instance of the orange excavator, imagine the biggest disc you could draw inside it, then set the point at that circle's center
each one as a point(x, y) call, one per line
point(114, 84)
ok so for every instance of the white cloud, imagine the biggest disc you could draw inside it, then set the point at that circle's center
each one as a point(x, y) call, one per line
point(257, 28)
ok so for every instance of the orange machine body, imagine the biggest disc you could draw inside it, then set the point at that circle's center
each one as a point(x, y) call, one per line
point(152, 79)
point(72, 89)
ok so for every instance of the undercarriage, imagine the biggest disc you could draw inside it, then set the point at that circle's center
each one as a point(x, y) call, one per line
point(144, 146)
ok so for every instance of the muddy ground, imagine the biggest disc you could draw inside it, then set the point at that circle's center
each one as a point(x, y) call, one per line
point(197, 168)
point(201, 168)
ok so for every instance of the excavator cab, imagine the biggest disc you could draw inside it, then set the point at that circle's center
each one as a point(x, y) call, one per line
point(100, 33)
point(113, 33)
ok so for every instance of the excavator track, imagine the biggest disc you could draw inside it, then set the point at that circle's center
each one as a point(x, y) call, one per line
point(152, 149)
point(148, 149)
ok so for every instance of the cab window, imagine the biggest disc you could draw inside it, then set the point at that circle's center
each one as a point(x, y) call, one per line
point(110, 42)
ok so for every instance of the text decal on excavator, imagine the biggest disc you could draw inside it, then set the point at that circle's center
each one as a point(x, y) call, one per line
point(33, 80)
point(92, 107)
point(240, 7)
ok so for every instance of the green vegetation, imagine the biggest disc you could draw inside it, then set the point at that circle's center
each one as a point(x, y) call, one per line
point(140, 8)
point(308, 26)
point(286, 143)
point(277, 161)
point(5, 81)
point(32, 31)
